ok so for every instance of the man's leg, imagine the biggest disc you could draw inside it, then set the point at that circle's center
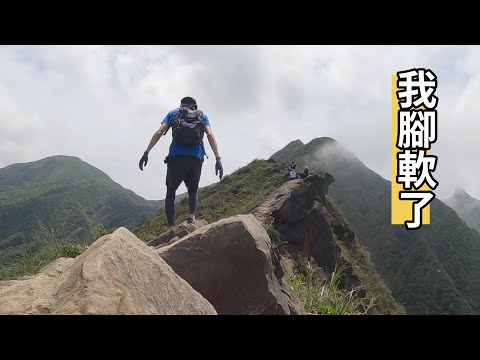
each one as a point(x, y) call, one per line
point(170, 207)
point(192, 202)
point(191, 182)
point(176, 172)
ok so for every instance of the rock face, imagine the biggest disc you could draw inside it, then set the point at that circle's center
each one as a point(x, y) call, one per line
point(118, 274)
point(302, 215)
point(230, 263)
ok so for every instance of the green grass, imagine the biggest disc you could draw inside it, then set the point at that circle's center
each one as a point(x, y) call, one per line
point(6, 273)
point(101, 231)
point(278, 243)
point(365, 269)
point(326, 297)
point(32, 262)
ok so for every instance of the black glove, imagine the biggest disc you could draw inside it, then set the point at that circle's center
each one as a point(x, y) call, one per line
point(219, 168)
point(143, 160)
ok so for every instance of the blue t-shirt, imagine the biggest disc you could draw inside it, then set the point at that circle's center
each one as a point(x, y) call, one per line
point(181, 149)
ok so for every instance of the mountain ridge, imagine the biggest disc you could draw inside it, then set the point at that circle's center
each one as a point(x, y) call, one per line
point(61, 198)
point(429, 270)
point(466, 206)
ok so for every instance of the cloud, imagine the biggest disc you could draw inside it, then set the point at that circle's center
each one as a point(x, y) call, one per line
point(18, 129)
point(103, 104)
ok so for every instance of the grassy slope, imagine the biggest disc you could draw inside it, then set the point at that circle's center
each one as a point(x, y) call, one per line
point(433, 270)
point(365, 269)
point(240, 193)
point(61, 198)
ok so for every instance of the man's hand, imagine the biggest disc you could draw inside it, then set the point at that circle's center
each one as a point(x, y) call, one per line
point(158, 134)
point(219, 168)
point(143, 160)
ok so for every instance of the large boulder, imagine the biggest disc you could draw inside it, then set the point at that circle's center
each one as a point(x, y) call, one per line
point(230, 263)
point(118, 274)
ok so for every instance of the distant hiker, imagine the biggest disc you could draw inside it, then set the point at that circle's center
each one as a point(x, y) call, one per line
point(185, 158)
point(305, 173)
point(293, 170)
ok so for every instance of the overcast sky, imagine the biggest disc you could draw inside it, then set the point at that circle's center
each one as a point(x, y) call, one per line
point(103, 104)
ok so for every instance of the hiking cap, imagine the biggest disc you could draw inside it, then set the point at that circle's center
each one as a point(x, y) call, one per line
point(188, 102)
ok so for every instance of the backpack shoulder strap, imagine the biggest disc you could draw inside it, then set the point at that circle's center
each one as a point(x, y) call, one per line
point(175, 117)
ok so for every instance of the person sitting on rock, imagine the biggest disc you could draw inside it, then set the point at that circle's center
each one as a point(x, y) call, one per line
point(305, 172)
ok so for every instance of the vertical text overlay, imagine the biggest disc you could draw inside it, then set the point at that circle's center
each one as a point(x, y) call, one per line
point(414, 130)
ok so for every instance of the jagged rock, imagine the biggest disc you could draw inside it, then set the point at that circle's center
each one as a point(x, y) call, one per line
point(180, 231)
point(294, 303)
point(230, 263)
point(300, 215)
point(287, 263)
point(118, 274)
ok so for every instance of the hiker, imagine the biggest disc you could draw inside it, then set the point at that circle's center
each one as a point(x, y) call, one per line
point(185, 157)
point(293, 170)
point(305, 172)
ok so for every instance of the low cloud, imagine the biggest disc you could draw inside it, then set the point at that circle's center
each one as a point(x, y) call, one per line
point(103, 104)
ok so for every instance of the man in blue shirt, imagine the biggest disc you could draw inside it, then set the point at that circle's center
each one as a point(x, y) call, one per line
point(185, 157)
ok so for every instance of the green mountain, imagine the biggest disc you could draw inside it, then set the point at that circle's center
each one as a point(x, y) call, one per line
point(433, 270)
point(61, 198)
point(467, 207)
point(284, 154)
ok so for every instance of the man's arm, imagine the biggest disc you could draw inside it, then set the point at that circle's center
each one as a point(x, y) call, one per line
point(214, 145)
point(212, 141)
point(144, 160)
point(157, 136)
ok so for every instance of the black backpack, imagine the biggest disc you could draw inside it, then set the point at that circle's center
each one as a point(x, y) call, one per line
point(188, 127)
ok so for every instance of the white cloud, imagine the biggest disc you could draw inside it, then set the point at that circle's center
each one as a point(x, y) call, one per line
point(18, 128)
point(103, 103)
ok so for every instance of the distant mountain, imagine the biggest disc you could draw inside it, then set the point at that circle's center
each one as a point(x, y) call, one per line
point(284, 154)
point(466, 206)
point(433, 270)
point(61, 198)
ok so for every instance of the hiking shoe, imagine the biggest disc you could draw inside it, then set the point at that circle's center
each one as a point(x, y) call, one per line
point(191, 227)
point(172, 237)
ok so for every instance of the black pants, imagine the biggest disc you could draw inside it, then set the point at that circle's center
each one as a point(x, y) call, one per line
point(180, 169)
